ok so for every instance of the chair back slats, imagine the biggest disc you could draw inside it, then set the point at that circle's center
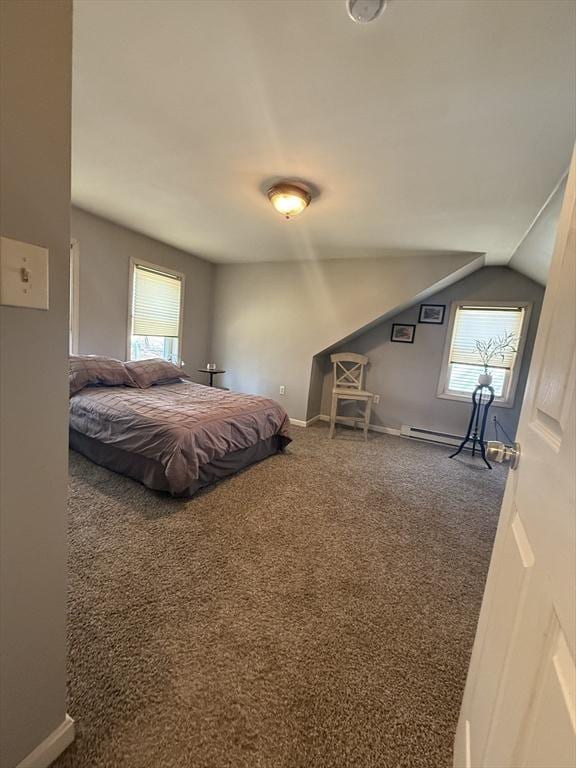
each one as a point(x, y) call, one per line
point(348, 370)
point(348, 387)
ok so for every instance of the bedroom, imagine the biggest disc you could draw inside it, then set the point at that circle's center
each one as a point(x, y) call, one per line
point(319, 606)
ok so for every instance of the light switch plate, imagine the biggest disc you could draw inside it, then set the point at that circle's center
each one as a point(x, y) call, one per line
point(23, 274)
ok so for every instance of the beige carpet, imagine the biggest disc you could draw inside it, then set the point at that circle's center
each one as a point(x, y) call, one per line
point(317, 610)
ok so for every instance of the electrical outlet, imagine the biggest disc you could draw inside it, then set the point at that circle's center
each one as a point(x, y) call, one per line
point(282, 389)
point(376, 399)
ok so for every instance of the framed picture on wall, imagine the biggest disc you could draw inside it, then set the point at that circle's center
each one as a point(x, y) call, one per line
point(432, 313)
point(403, 333)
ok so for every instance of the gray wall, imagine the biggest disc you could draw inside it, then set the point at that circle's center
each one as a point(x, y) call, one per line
point(35, 67)
point(270, 319)
point(406, 375)
point(105, 252)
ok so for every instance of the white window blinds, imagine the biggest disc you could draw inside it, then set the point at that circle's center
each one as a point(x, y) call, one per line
point(155, 303)
point(473, 324)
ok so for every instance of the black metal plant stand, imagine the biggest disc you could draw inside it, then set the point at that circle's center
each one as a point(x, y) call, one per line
point(477, 425)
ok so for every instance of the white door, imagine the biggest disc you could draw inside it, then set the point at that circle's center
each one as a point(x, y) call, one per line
point(519, 702)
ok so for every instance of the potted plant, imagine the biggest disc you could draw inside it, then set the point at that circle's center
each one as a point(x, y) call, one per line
point(489, 349)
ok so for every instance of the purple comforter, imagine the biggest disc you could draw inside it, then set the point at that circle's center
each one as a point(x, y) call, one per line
point(180, 425)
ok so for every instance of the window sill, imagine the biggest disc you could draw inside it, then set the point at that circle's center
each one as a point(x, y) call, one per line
point(468, 399)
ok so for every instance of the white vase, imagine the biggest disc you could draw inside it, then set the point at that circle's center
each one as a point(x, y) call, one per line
point(485, 379)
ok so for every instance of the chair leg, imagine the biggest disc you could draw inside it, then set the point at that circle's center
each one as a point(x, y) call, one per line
point(367, 412)
point(333, 412)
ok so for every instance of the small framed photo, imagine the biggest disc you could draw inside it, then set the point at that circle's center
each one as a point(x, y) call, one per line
point(403, 333)
point(432, 313)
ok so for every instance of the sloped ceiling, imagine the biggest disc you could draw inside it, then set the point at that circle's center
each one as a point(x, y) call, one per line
point(442, 127)
point(534, 254)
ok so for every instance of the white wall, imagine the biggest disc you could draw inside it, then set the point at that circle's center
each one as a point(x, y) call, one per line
point(271, 319)
point(534, 254)
point(35, 69)
point(105, 252)
point(406, 375)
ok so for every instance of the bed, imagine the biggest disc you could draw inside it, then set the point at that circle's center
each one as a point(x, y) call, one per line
point(176, 437)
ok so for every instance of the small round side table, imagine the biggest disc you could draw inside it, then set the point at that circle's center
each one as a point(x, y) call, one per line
point(211, 373)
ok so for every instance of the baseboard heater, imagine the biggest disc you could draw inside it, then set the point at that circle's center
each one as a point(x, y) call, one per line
point(429, 435)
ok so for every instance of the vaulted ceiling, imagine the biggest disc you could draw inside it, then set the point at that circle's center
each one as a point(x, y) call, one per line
point(441, 127)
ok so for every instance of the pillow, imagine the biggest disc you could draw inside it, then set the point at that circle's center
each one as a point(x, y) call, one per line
point(145, 373)
point(86, 370)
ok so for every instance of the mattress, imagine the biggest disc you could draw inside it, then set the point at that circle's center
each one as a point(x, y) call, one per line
point(175, 437)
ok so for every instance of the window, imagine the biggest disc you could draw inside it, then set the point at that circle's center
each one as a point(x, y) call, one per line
point(73, 317)
point(462, 364)
point(155, 313)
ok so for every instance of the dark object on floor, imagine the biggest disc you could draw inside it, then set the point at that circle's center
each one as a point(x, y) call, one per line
point(314, 611)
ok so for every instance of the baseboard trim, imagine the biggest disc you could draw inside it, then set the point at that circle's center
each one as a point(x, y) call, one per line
point(325, 417)
point(52, 746)
point(371, 427)
point(301, 423)
point(462, 746)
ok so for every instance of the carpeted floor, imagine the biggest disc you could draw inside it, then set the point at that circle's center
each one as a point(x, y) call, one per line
point(315, 611)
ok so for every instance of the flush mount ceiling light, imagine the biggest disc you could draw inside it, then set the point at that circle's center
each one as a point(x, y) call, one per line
point(364, 11)
point(289, 199)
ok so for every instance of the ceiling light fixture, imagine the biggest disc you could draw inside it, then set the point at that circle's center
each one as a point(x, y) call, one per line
point(289, 199)
point(364, 11)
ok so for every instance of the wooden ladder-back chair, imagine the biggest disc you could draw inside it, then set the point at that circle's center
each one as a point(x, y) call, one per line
point(348, 385)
